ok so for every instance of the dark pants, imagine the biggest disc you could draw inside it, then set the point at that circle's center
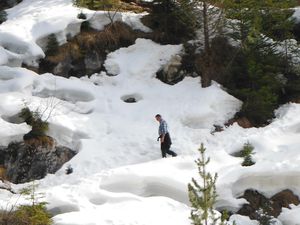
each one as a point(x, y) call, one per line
point(165, 146)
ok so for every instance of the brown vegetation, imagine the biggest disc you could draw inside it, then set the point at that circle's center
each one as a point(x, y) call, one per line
point(43, 141)
point(2, 173)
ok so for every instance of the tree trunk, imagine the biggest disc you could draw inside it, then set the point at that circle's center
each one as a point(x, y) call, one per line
point(205, 27)
point(206, 76)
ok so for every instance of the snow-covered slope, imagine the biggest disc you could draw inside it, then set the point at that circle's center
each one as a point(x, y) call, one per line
point(119, 177)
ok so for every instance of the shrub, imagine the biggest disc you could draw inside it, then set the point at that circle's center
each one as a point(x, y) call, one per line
point(33, 214)
point(296, 31)
point(253, 77)
point(3, 16)
point(259, 105)
point(246, 153)
point(174, 21)
point(52, 45)
point(34, 119)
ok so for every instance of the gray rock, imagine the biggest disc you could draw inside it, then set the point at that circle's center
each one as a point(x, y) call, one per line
point(63, 67)
point(93, 62)
point(170, 73)
point(24, 162)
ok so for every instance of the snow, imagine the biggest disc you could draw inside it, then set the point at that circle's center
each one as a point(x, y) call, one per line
point(23, 36)
point(119, 177)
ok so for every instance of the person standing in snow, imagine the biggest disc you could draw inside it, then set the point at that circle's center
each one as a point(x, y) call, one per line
point(164, 136)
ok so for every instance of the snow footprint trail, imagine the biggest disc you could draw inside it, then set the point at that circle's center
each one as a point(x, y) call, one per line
point(154, 186)
point(137, 200)
point(149, 180)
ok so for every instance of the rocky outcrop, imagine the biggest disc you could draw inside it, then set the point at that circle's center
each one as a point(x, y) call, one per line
point(27, 161)
point(241, 121)
point(85, 53)
point(270, 206)
point(171, 73)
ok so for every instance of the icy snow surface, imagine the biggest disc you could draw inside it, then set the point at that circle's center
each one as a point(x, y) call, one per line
point(119, 177)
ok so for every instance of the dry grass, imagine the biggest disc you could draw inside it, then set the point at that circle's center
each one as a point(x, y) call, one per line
point(133, 7)
point(114, 36)
point(2, 173)
point(44, 141)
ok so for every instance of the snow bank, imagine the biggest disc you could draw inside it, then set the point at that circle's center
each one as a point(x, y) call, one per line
point(119, 177)
point(23, 37)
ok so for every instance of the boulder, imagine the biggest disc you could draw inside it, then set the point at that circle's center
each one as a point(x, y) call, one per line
point(93, 62)
point(27, 161)
point(63, 67)
point(171, 73)
point(255, 201)
point(242, 122)
point(271, 207)
point(283, 199)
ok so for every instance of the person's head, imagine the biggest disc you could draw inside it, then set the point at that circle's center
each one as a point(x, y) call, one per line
point(158, 117)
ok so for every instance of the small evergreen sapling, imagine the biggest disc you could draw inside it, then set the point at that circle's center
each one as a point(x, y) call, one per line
point(35, 213)
point(52, 45)
point(203, 197)
point(247, 153)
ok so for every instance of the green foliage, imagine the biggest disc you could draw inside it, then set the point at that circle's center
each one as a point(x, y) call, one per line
point(246, 153)
point(203, 197)
point(292, 88)
point(3, 16)
point(34, 119)
point(27, 115)
point(263, 216)
point(296, 31)
point(33, 214)
point(52, 45)
point(278, 24)
point(259, 105)
point(256, 77)
point(174, 20)
point(259, 16)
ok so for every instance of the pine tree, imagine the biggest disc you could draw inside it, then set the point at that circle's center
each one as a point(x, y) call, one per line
point(174, 20)
point(258, 64)
point(203, 197)
point(210, 20)
point(255, 17)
